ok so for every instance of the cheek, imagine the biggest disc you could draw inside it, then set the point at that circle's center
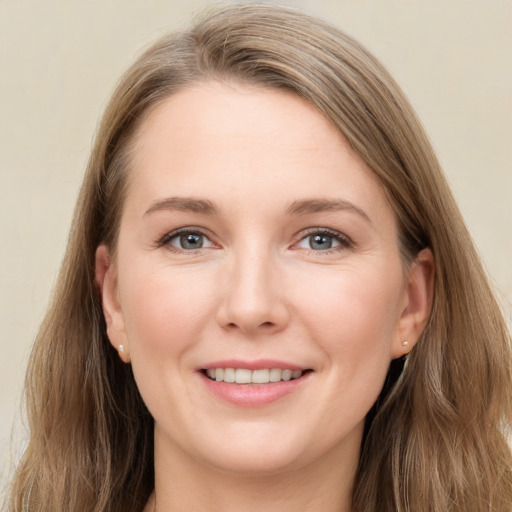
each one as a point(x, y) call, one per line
point(163, 307)
point(353, 313)
point(351, 316)
point(164, 311)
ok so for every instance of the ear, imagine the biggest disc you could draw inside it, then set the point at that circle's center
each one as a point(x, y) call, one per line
point(106, 279)
point(417, 303)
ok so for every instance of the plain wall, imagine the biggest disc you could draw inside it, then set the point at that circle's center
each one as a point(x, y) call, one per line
point(59, 61)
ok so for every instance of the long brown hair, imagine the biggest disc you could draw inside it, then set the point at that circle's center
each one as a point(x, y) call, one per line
point(435, 440)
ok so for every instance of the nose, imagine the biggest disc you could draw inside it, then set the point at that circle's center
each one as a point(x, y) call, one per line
point(253, 296)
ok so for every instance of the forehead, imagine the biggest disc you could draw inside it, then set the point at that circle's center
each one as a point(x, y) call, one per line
point(213, 112)
point(245, 143)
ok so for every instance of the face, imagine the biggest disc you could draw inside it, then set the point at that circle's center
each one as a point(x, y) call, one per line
point(255, 246)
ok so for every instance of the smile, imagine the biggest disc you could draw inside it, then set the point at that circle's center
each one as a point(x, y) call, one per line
point(247, 376)
point(253, 383)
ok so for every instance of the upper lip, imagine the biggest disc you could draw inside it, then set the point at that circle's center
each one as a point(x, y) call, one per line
point(258, 364)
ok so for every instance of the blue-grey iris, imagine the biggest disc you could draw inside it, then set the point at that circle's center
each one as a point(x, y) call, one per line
point(320, 242)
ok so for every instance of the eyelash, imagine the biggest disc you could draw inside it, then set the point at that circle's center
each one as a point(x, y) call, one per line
point(344, 241)
point(165, 241)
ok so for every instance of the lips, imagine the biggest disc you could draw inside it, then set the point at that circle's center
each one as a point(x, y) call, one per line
point(253, 383)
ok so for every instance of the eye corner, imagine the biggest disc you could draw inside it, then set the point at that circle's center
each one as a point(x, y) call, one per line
point(321, 240)
point(188, 239)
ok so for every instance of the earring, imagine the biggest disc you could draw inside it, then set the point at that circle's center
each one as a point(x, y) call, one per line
point(124, 355)
point(405, 343)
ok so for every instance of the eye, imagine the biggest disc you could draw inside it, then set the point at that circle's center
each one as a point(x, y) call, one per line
point(321, 240)
point(186, 240)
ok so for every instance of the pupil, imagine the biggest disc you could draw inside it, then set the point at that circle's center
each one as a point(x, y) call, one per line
point(320, 242)
point(191, 240)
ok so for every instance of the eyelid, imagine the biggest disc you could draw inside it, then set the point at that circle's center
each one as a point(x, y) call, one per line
point(164, 241)
point(344, 240)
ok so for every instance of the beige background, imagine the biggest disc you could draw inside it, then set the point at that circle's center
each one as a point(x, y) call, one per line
point(59, 61)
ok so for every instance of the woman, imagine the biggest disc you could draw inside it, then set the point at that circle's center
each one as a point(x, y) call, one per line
point(269, 298)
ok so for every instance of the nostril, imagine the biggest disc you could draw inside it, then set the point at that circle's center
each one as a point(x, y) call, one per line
point(264, 325)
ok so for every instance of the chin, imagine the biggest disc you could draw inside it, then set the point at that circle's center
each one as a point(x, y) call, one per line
point(256, 452)
point(257, 464)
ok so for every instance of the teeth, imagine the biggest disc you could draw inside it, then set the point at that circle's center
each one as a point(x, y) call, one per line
point(245, 376)
point(261, 376)
point(229, 375)
point(275, 374)
point(242, 376)
point(286, 375)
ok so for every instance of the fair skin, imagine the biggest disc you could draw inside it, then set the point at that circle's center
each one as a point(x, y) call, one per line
point(286, 259)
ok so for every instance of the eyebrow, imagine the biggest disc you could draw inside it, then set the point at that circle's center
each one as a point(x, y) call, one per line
point(185, 204)
point(299, 207)
point(308, 206)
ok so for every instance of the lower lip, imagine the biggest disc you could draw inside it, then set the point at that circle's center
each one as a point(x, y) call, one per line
point(253, 395)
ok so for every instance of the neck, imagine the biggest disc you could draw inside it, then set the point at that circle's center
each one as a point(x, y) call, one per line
point(322, 486)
